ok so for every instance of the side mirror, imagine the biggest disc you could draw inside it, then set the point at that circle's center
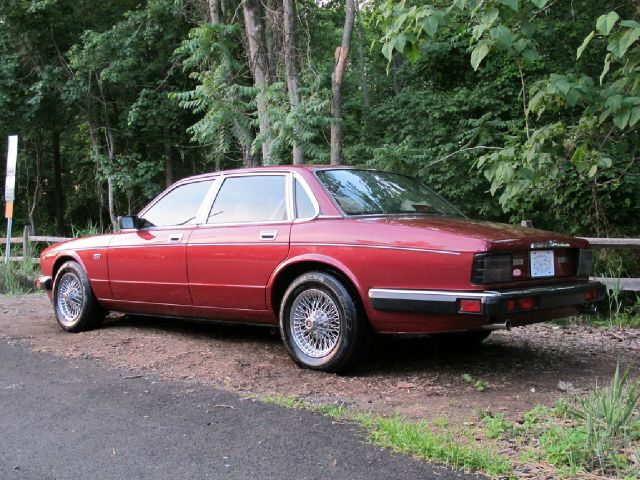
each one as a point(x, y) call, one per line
point(128, 222)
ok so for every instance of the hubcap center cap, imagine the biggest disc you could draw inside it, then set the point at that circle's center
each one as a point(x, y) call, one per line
point(316, 320)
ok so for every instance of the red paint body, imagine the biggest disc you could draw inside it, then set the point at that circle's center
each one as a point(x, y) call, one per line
point(226, 272)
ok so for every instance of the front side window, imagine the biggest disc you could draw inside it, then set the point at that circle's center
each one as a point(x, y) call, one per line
point(178, 207)
point(369, 192)
point(260, 198)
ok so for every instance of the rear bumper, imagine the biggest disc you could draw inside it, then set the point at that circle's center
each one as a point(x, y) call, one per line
point(498, 303)
point(43, 282)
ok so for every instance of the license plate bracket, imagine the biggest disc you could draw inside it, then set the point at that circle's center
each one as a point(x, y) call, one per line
point(542, 263)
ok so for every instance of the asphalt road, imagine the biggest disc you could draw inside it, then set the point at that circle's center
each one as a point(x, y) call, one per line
point(76, 419)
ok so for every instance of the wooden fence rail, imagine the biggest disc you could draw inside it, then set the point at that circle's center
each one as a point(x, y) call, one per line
point(627, 284)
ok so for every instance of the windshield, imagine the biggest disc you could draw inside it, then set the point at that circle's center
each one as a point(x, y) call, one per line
point(369, 192)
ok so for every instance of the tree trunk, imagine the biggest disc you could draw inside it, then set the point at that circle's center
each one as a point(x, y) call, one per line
point(168, 155)
point(36, 191)
point(273, 36)
point(58, 193)
point(259, 64)
point(248, 160)
point(361, 60)
point(291, 71)
point(215, 11)
point(342, 53)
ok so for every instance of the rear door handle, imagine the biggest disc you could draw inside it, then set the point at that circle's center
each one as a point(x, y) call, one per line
point(176, 237)
point(268, 234)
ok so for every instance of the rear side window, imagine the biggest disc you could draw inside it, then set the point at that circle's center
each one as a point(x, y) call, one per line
point(178, 207)
point(304, 205)
point(260, 198)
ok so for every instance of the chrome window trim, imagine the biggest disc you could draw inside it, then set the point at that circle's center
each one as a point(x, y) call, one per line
point(314, 201)
point(203, 212)
point(238, 224)
point(170, 189)
point(224, 176)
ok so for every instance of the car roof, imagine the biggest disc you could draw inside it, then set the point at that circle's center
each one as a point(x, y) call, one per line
point(267, 168)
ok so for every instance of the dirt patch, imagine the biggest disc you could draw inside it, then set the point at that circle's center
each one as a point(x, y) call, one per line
point(416, 377)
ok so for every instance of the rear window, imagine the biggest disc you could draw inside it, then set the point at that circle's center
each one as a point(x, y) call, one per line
point(370, 192)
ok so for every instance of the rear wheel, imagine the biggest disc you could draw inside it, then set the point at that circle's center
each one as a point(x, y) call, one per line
point(320, 323)
point(75, 305)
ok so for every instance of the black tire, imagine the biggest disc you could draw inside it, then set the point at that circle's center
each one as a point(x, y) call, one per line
point(353, 332)
point(74, 303)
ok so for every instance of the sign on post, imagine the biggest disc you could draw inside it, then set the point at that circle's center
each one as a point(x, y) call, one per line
point(10, 189)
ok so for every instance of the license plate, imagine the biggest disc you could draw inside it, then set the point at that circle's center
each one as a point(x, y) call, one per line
point(542, 264)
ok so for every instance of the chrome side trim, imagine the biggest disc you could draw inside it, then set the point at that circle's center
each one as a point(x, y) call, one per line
point(384, 247)
point(426, 295)
point(244, 244)
point(155, 245)
point(158, 245)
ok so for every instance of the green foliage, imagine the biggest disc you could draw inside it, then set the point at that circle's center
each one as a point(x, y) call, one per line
point(576, 144)
point(609, 421)
point(17, 277)
point(510, 108)
point(222, 97)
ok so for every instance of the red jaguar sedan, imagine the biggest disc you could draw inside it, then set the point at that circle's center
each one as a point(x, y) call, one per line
point(329, 254)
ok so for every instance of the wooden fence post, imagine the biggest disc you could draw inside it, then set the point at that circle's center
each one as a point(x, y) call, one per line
point(26, 242)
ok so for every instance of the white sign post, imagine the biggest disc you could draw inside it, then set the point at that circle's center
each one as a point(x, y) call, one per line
point(10, 189)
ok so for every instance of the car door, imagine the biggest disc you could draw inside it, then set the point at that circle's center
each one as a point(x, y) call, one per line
point(149, 264)
point(231, 256)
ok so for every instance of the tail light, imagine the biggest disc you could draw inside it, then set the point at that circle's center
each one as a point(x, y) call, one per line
point(470, 306)
point(492, 268)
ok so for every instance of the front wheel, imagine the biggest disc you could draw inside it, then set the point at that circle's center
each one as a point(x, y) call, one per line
point(321, 324)
point(75, 305)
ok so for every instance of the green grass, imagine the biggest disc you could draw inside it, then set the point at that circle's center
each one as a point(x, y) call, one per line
point(421, 440)
point(16, 278)
point(434, 441)
point(596, 433)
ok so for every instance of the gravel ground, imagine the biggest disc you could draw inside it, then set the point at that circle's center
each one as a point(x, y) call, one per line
point(419, 378)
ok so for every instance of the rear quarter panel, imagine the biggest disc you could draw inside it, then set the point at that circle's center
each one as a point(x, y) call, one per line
point(388, 256)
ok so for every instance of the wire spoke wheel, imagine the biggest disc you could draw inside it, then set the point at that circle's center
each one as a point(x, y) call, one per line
point(315, 323)
point(70, 298)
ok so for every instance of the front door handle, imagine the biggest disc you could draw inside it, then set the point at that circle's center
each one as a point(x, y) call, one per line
point(176, 237)
point(268, 234)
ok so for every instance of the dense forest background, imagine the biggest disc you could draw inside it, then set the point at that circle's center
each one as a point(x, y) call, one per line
point(511, 109)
